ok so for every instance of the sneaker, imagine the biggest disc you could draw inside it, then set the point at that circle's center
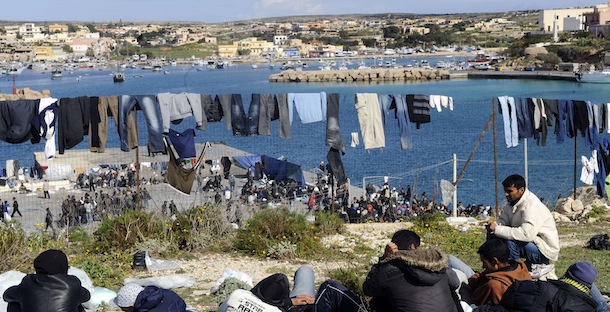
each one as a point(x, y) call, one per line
point(540, 270)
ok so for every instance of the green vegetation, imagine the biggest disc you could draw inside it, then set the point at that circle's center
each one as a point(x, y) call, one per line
point(106, 255)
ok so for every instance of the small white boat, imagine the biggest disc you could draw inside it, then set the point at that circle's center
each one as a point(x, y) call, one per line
point(254, 66)
point(56, 73)
point(118, 77)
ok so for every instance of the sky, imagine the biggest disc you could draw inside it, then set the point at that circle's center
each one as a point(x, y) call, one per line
point(214, 11)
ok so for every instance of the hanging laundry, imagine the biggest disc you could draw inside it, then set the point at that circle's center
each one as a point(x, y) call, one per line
point(225, 102)
point(284, 115)
point(239, 122)
point(184, 143)
point(180, 178)
point(509, 116)
point(16, 120)
point(109, 106)
point(419, 109)
point(441, 101)
point(45, 124)
point(369, 117)
point(404, 123)
point(267, 112)
point(589, 168)
point(175, 107)
point(355, 139)
point(149, 106)
point(254, 114)
point(333, 134)
point(73, 121)
point(336, 166)
point(311, 107)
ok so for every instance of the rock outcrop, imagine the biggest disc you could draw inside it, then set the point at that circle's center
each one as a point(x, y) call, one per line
point(575, 209)
point(360, 75)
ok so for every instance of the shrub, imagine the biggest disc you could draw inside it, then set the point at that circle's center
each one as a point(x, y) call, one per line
point(329, 223)
point(124, 231)
point(352, 278)
point(229, 285)
point(202, 227)
point(597, 212)
point(270, 227)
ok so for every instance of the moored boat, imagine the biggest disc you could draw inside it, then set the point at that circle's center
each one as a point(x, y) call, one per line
point(56, 73)
point(118, 76)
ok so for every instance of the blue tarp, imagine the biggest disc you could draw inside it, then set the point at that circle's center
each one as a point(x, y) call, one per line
point(275, 169)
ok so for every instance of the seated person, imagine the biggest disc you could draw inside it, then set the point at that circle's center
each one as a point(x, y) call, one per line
point(50, 289)
point(272, 294)
point(408, 278)
point(489, 285)
point(573, 292)
point(23, 189)
point(528, 227)
point(135, 298)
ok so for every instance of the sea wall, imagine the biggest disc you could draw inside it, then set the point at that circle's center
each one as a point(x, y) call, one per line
point(360, 75)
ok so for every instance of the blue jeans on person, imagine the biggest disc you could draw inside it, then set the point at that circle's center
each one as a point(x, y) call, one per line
point(602, 305)
point(456, 263)
point(148, 104)
point(527, 250)
point(332, 296)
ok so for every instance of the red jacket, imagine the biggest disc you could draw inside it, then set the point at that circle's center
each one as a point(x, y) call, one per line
point(490, 287)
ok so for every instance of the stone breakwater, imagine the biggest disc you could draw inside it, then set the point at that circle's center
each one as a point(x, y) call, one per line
point(360, 75)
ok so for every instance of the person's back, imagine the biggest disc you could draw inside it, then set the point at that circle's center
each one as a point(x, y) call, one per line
point(155, 299)
point(410, 279)
point(50, 289)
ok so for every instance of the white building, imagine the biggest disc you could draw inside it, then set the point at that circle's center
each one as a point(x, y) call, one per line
point(567, 19)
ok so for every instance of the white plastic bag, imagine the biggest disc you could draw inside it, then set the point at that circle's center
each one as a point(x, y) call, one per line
point(167, 282)
point(158, 264)
point(231, 273)
point(99, 295)
point(82, 276)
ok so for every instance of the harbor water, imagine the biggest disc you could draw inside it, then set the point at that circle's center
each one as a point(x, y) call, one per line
point(550, 168)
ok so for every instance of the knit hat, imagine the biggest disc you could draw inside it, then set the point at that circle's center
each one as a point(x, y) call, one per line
point(126, 297)
point(582, 272)
point(51, 262)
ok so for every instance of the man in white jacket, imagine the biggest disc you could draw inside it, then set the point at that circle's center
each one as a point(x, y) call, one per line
point(528, 227)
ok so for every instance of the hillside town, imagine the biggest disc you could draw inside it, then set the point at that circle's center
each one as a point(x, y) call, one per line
point(92, 44)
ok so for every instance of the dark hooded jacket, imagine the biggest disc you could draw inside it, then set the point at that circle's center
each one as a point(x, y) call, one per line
point(542, 296)
point(50, 289)
point(274, 290)
point(411, 280)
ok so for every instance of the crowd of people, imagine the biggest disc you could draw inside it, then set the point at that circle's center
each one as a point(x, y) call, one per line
point(517, 275)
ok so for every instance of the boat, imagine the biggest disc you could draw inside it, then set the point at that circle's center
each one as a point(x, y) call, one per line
point(254, 66)
point(118, 76)
point(166, 72)
point(600, 76)
point(56, 73)
point(157, 68)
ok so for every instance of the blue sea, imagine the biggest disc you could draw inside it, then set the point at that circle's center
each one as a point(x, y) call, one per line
point(550, 168)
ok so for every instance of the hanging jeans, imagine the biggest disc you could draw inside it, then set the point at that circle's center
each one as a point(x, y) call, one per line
point(284, 112)
point(509, 116)
point(253, 114)
point(238, 116)
point(148, 104)
point(404, 123)
point(560, 125)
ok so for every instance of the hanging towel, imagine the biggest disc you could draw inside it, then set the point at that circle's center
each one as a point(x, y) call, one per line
point(45, 123)
point(419, 109)
point(589, 168)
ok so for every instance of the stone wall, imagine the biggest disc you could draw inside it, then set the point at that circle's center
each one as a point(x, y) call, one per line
point(360, 75)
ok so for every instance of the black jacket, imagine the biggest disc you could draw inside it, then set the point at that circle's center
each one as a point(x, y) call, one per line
point(541, 296)
point(411, 280)
point(43, 293)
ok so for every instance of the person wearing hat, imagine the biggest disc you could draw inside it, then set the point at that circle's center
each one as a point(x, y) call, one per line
point(573, 292)
point(50, 289)
point(133, 298)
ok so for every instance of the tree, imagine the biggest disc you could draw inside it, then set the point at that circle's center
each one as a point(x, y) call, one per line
point(369, 42)
point(67, 48)
point(344, 34)
point(72, 28)
point(89, 52)
point(392, 32)
point(243, 52)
